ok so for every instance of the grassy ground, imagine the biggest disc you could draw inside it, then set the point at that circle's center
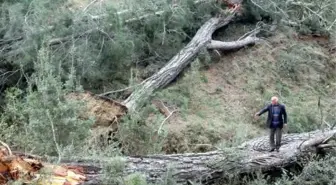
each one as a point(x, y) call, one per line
point(221, 105)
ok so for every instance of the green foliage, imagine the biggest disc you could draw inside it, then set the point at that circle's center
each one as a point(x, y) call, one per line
point(140, 133)
point(168, 178)
point(179, 93)
point(228, 161)
point(307, 16)
point(318, 172)
point(41, 119)
point(113, 171)
point(103, 51)
point(315, 172)
point(299, 59)
point(136, 179)
point(309, 67)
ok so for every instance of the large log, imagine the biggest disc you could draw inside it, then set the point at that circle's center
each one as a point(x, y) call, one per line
point(247, 158)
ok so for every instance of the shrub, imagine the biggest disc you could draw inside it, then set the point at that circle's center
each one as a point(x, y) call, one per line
point(40, 119)
point(318, 172)
point(307, 16)
point(103, 51)
point(139, 133)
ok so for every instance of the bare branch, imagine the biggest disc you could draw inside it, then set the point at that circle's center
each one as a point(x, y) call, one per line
point(331, 25)
point(92, 2)
point(328, 139)
point(120, 90)
point(161, 125)
point(326, 145)
point(54, 137)
point(214, 44)
point(332, 127)
point(7, 147)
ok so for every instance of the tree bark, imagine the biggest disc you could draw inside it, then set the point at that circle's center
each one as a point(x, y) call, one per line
point(249, 157)
point(201, 40)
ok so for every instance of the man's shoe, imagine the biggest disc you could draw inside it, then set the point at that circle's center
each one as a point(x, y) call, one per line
point(271, 150)
point(277, 149)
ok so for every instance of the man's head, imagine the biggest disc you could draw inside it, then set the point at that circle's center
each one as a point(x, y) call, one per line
point(274, 100)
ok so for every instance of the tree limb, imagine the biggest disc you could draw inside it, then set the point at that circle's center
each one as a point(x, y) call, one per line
point(92, 2)
point(214, 44)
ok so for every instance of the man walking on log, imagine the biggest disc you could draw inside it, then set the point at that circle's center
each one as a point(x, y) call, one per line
point(276, 120)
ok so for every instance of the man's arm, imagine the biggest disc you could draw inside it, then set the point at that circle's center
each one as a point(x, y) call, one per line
point(262, 111)
point(284, 114)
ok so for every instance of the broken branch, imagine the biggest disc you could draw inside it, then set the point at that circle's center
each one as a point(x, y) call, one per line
point(326, 146)
point(171, 113)
point(214, 44)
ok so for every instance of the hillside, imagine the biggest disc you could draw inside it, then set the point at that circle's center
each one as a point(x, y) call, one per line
point(188, 95)
point(230, 91)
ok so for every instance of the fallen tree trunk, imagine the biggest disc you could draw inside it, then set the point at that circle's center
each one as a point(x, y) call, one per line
point(201, 40)
point(250, 157)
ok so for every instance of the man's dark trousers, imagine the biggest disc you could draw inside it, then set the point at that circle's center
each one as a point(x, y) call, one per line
point(277, 132)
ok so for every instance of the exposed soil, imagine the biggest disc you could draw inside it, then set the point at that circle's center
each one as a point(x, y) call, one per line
point(106, 111)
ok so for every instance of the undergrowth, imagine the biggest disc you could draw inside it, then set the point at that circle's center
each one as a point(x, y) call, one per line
point(316, 172)
point(40, 120)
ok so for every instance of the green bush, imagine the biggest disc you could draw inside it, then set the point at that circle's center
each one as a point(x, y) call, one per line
point(41, 119)
point(103, 51)
point(297, 61)
point(141, 133)
point(315, 172)
point(318, 172)
point(113, 171)
point(306, 16)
